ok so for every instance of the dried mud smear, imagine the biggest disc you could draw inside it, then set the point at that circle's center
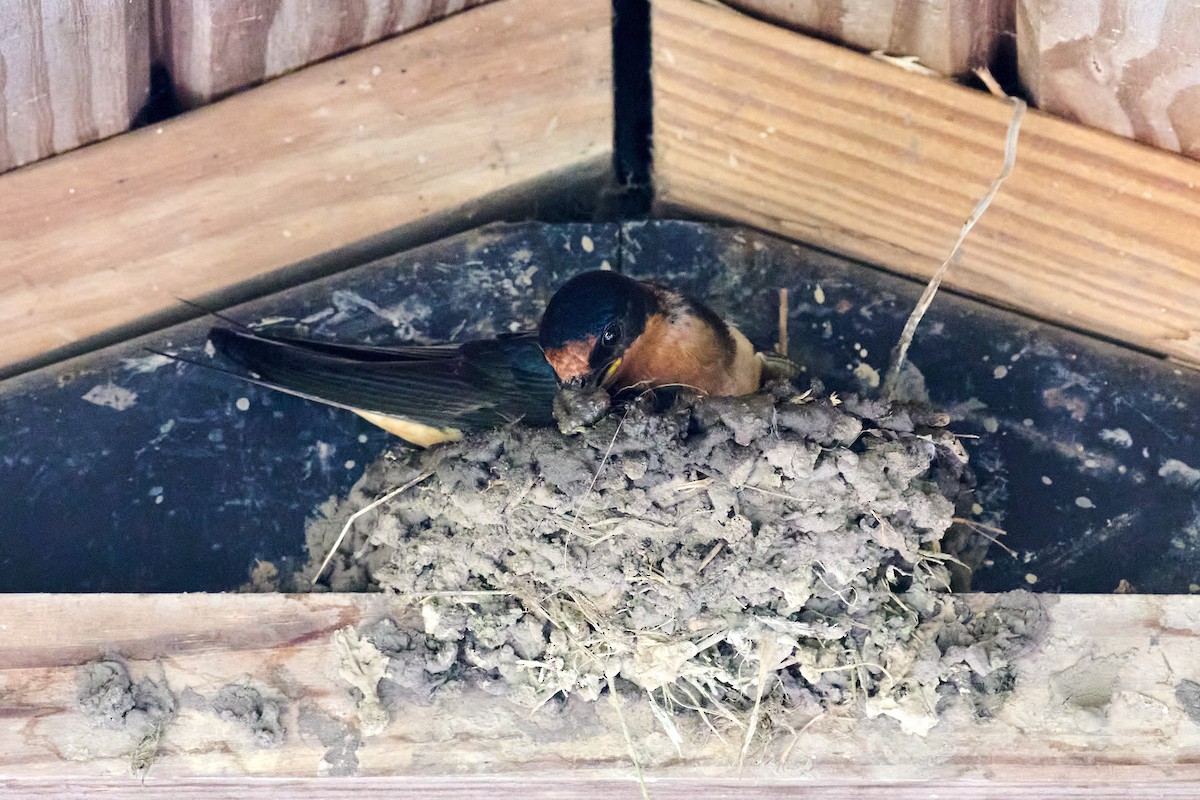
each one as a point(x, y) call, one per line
point(248, 707)
point(110, 698)
point(780, 543)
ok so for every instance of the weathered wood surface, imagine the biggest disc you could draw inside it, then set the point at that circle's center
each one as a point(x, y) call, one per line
point(1131, 67)
point(949, 36)
point(793, 135)
point(477, 106)
point(1104, 703)
point(71, 72)
point(214, 47)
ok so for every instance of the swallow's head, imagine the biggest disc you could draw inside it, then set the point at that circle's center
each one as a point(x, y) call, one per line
point(589, 324)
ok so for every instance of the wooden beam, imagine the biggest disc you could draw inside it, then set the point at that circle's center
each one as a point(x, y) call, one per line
point(949, 36)
point(71, 72)
point(1128, 67)
point(1107, 703)
point(812, 141)
point(473, 107)
point(214, 47)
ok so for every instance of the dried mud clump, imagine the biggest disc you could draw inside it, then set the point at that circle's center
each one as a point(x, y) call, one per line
point(779, 548)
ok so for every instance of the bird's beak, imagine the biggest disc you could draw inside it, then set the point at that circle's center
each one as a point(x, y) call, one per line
point(609, 372)
point(597, 378)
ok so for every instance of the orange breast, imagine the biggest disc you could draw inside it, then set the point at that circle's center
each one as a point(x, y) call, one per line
point(688, 353)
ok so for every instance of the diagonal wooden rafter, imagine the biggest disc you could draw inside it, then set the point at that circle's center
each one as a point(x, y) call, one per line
point(483, 105)
point(792, 135)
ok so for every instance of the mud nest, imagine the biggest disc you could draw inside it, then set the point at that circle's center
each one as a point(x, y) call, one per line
point(775, 552)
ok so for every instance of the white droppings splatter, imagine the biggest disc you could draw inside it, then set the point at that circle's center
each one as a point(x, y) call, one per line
point(266, 322)
point(1175, 471)
point(318, 316)
point(1118, 436)
point(146, 363)
point(112, 396)
point(867, 375)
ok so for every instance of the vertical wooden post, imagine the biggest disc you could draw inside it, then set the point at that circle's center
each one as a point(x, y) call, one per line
point(949, 36)
point(1131, 67)
point(214, 47)
point(71, 72)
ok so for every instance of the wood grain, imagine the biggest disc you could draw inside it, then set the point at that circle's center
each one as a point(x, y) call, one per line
point(479, 105)
point(1096, 712)
point(214, 47)
point(71, 72)
point(795, 136)
point(949, 36)
point(1126, 66)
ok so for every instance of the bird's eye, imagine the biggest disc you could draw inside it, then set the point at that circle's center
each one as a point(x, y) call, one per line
point(610, 334)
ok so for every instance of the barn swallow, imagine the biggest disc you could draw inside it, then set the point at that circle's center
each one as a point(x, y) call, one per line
point(601, 330)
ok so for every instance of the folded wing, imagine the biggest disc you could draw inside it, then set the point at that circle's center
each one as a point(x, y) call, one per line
point(447, 387)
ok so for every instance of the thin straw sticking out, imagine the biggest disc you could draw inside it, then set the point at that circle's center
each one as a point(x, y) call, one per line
point(900, 354)
point(615, 700)
point(766, 656)
point(346, 528)
point(781, 346)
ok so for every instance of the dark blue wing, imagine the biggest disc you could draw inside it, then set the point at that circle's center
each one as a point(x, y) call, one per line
point(469, 386)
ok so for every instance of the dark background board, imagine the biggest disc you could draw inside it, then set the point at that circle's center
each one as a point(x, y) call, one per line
point(1083, 449)
point(183, 490)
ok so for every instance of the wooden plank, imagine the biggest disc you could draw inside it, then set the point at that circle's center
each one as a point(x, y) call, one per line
point(949, 36)
point(795, 136)
point(1105, 707)
point(71, 72)
point(385, 137)
point(1128, 67)
point(214, 47)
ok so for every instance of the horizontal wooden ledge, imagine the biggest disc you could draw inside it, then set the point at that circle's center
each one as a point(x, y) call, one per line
point(1121, 724)
point(419, 126)
point(795, 136)
point(556, 788)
